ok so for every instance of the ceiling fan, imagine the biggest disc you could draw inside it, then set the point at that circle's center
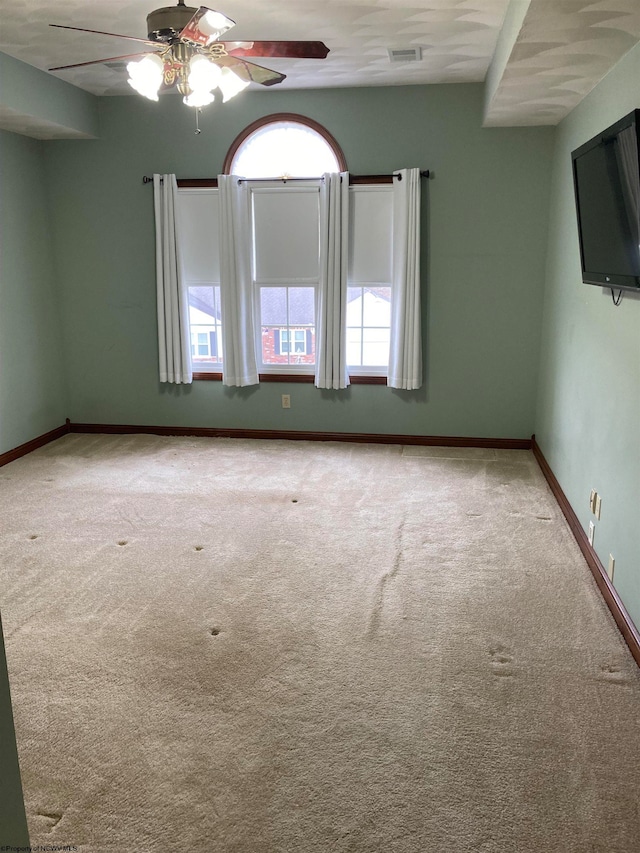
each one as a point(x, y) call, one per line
point(191, 57)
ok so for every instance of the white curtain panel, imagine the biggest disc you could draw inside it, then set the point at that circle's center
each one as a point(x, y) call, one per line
point(173, 308)
point(239, 366)
point(405, 352)
point(331, 297)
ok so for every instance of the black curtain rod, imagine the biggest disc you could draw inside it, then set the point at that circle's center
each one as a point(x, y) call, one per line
point(361, 178)
point(424, 174)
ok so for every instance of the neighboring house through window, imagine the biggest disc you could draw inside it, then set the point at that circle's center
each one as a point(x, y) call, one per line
point(205, 324)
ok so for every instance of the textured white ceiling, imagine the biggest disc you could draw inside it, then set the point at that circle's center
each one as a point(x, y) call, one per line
point(564, 48)
point(458, 37)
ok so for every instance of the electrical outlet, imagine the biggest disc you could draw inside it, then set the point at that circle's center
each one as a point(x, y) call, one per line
point(612, 565)
point(598, 505)
point(592, 500)
point(592, 530)
point(286, 401)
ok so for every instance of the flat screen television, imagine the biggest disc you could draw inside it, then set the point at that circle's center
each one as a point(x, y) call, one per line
point(606, 179)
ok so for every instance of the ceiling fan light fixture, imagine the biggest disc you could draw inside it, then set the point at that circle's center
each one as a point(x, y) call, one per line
point(146, 76)
point(213, 24)
point(199, 98)
point(203, 74)
point(191, 58)
point(230, 84)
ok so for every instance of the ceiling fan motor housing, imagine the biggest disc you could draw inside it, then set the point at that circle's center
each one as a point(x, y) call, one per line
point(166, 24)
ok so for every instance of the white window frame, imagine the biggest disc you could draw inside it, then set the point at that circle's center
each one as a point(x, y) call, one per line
point(258, 283)
point(368, 369)
point(197, 365)
point(381, 369)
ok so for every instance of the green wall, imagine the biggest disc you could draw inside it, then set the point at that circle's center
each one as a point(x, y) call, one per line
point(42, 102)
point(484, 255)
point(32, 390)
point(588, 420)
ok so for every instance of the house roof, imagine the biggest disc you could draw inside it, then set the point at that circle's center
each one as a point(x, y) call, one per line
point(202, 298)
point(301, 304)
point(274, 303)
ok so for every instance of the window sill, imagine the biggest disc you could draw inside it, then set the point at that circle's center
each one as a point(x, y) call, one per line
point(307, 378)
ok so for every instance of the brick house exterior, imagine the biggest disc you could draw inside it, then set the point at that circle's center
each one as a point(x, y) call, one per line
point(272, 348)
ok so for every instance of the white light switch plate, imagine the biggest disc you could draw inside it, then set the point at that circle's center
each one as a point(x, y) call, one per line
point(611, 567)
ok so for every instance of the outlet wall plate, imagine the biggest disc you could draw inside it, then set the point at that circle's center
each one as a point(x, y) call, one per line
point(592, 530)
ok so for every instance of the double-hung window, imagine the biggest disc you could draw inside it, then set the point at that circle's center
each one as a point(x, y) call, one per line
point(201, 267)
point(285, 269)
point(285, 221)
point(285, 263)
point(369, 279)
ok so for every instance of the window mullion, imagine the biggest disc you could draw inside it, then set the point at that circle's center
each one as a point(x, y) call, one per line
point(288, 326)
point(362, 326)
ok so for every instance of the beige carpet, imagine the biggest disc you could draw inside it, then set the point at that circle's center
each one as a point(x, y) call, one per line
point(271, 647)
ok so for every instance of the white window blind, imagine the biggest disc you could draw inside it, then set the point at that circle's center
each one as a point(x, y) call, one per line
point(369, 279)
point(286, 267)
point(199, 212)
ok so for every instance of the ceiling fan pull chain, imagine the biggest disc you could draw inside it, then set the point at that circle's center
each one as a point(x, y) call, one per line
point(197, 130)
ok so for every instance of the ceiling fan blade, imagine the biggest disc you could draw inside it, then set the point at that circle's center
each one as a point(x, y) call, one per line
point(109, 59)
point(100, 33)
point(293, 49)
point(249, 72)
point(206, 26)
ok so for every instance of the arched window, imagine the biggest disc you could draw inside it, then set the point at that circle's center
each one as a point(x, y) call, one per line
point(284, 145)
point(284, 245)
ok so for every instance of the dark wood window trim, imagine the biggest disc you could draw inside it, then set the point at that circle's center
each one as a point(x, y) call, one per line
point(212, 183)
point(302, 378)
point(197, 183)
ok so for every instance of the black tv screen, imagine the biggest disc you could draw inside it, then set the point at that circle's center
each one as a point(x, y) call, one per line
point(606, 177)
